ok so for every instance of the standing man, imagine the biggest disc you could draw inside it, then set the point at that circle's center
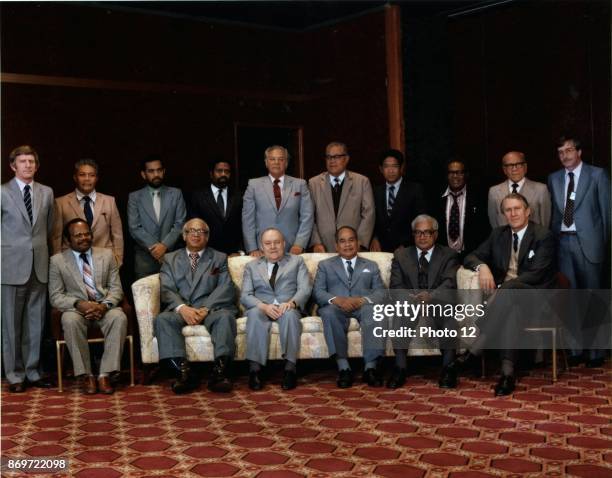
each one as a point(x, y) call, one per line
point(196, 289)
point(275, 288)
point(99, 210)
point(27, 217)
point(156, 214)
point(397, 202)
point(220, 205)
point(278, 201)
point(84, 285)
point(581, 221)
point(461, 213)
point(514, 166)
point(340, 197)
point(347, 286)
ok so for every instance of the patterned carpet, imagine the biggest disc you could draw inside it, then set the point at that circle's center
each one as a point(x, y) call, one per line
point(317, 430)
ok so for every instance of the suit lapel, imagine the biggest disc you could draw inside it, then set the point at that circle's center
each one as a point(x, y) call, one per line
point(525, 243)
point(287, 191)
point(98, 268)
point(75, 205)
point(209, 197)
point(326, 193)
point(203, 265)
point(434, 267)
point(583, 184)
point(98, 208)
point(282, 267)
point(18, 197)
point(399, 198)
point(341, 271)
point(74, 271)
point(506, 246)
point(164, 200)
point(147, 203)
point(559, 188)
point(268, 186)
point(413, 265)
point(346, 192)
point(262, 269)
point(36, 203)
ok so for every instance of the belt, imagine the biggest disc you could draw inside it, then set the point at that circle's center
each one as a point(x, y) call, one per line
point(568, 233)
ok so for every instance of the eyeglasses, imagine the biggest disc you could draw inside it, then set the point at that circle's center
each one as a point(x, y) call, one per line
point(334, 157)
point(514, 165)
point(425, 233)
point(81, 235)
point(197, 232)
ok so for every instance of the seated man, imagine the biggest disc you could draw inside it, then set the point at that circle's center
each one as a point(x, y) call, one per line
point(346, 286)
point(196, 289)
point(428, 267)
point(520, 255)
point(84, 285)
point(275, 287)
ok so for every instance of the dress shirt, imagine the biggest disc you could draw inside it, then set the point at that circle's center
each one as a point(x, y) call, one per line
point(332, 179)
point(520, 185)
point(215, 191)
point(270, 267)
point(92, 196)
point(79, 261)
point(187, 251)
point(520, 235)
point(22, 185)
point(397, 186)
point(458, 244)
point(427, 256)
point(281, 183)
point(576, 172)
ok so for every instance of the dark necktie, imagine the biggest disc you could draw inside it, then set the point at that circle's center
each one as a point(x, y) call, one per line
point(350, 270)
point(220, 203)
point(391, 200)
point(195, 258)
point(514, 188)
point(90, 285)
point(568, 214)
point(27, 199)
point(515, 241)
point(453, 220)
point(423, 269)
point(273, 275)
point(87, 210)
point(277, 193)
point(336, 192)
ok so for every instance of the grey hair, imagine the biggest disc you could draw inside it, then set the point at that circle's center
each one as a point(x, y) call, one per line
point(339, 144)
point(267, 229)
point(424, 217)
point(186, 225)
point(269, 149)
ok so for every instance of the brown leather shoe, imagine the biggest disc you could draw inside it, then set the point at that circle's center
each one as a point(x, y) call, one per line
point(89, 385)
point(105, 386)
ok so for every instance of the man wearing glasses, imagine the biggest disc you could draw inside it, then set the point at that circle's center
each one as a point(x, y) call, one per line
point(196, 289)
point(341, 198)
point(514, 166)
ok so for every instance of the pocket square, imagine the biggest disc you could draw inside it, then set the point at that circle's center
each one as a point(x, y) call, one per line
point(297, 194)
point(531, 254)
point(367, 270)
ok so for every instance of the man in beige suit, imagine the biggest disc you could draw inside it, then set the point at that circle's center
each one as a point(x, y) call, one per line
point(514, 165)
point(97, 209)
point(341, 198)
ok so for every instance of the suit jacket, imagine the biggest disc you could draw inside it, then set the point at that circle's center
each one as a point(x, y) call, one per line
point(591, 209)
point(25, 244)
point(356, 209)
point(536, 194)
point(106, 228)
point(331, 281)
point(536, 256)
point(294, 218)
point(394, 231)
point(209, 287)
point(441, 275)
point(146, 230)
point(225, 232)
point(292, 283)
point(66, 284)
point(475, 228)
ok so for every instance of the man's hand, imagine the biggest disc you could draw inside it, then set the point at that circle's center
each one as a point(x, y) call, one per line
point(158, 250)
point(91, 310)
point(318, 248)
point(271, 310)
point(234, 254)
point(348, 304)
point(285, 306)
point(190, 315)
point(423, 296)
point(375, 246)
point(485, 278)
point(256, 253)
point(296, 250)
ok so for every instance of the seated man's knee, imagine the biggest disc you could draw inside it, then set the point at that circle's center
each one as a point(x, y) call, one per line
point(71, 319)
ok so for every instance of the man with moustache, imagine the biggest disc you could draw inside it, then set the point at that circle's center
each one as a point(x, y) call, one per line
point(99, 210)
point(275, 288)
point(220, 205)
point(196, 289)
point(347, 286)
point(84, 285)
point(156, 214)
point(279, 201)
point(27, 217)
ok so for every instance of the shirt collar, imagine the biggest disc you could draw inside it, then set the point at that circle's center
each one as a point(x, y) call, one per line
point(77, 254)
point(520, 183)
point(353, 261)
point(460, 192)
point(340, 177)
point(152, 190)
point(429, 252)
point(80, 195)
point(22, 185)
point(521, 233)
point(576, 170)
point(199, 252)
point(396, 184)
point(282, 179)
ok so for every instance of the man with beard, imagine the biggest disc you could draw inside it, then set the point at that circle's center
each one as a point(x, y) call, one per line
point(156, 214)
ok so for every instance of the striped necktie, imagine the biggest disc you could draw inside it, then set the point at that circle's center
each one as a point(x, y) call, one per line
point(88, 279)
point(391, 200)
point(27, 199)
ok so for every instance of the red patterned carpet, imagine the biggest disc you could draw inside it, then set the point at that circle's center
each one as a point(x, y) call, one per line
point(317, 430)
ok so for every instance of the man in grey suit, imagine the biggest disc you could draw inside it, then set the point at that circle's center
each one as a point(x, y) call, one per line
point(514, 165)
point(27, 219)
point(196, 289)
point(278, 201)
point(346, 286)
point(84, 285)
point(156, 214)
point(581, 221)
point(275, 287)
point(341, 198)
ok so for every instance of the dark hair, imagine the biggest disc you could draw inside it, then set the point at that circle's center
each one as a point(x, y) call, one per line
point(66, 231)
point(24, 149)
point(569, 137)
point(518, 196)
point(149, 159)
point(345, 227)
point(212, 164)
point(392, 153)
point(85, 162)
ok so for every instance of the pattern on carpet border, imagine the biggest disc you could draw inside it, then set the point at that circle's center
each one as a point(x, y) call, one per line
point(317, 430)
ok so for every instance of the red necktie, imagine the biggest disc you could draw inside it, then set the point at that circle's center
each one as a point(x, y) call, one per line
point(277, 193)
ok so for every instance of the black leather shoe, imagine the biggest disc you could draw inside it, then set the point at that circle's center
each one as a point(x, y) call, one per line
point(289, 380)
point(373, 377)
point(505, 386)
point(255, 382)
point(574, 360)
point(461, 361)
point(17, 387)
point(41, 383)
point(187, 382)
point(345, 378)
point(448, 378)
point(219, 381)
point(397, 378)
point(595, 362)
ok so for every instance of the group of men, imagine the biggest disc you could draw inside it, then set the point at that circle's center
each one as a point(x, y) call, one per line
point(276, 219)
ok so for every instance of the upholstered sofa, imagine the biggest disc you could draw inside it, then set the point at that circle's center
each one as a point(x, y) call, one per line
point(146, 293)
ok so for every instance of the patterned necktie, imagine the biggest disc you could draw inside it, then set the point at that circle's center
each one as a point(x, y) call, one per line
point(391, 200)
point(90, 285)
point(156, 204)
point(568, 214)
point(220, 203)
point(453, 220)
point(273, 275)
point(515, 242)
point(350, 270)
point(27, 199)
point(195, 257)
point(87, 210)
point(277, 193)
point(423, 270)
point(514, 188)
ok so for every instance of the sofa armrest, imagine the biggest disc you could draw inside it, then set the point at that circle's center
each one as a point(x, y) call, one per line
point(146, 292)
point(467, 279)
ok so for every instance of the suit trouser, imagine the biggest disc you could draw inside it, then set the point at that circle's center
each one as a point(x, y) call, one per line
point(114, 329)
point(144, 264)
point(23, 317)
point(221, 325)
point(335, 328)
point(258, 335)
